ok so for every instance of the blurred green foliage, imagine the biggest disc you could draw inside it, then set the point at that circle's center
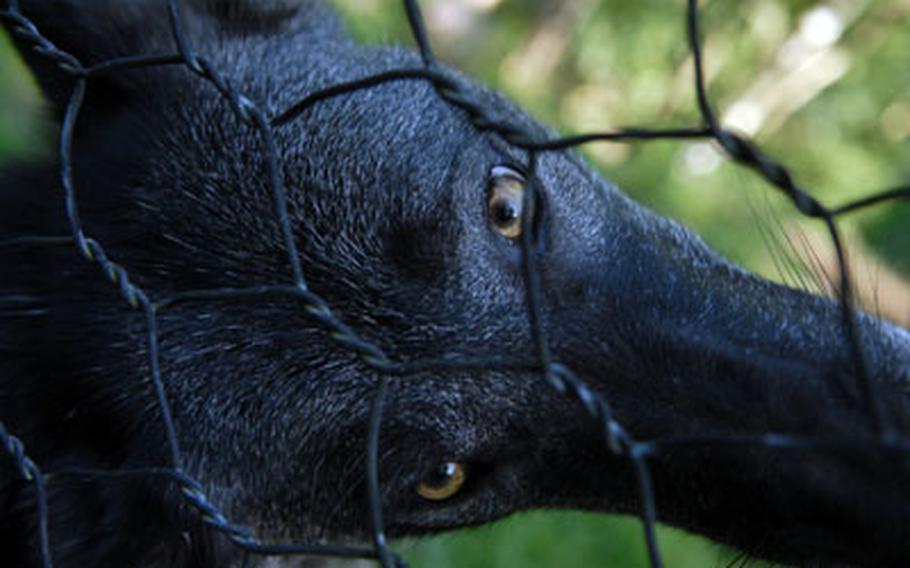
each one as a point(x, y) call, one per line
point(19, 98)
point(823, 86)
point(557, 540)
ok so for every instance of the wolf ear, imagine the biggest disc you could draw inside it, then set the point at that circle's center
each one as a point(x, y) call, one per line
point(247, 17)
point(99, 30)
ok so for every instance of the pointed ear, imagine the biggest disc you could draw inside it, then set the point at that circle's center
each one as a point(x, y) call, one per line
point(94, 31)
point(245, 17)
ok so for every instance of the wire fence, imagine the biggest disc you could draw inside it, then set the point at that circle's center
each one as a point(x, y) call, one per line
point(617, 439)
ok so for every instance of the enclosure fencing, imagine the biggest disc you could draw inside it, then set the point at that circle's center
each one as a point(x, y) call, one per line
point(617, 439)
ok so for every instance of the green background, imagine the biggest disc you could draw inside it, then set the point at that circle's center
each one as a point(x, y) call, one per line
point(823, 86)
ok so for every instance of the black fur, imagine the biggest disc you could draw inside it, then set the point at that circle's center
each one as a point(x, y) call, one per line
point(387, 191)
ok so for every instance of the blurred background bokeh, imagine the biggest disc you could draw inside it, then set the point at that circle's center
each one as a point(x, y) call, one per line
point(822, 85)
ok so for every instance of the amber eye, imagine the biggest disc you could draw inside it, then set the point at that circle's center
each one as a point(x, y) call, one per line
point(505, 201)
point(444, 482)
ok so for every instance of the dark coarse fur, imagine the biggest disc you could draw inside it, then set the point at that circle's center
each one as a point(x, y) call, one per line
point(387, 197)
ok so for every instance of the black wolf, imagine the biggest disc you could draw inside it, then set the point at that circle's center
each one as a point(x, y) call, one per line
point(407, 220)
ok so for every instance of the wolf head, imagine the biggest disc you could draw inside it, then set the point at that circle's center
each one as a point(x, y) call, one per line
point(408, 223)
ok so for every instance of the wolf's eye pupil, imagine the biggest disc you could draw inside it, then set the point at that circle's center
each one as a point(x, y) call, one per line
point(443, 483)
point(505, 213)
point(505, 201)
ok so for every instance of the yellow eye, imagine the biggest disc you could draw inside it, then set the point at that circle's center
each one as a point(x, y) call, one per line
point(505, 201)
point(443, 483)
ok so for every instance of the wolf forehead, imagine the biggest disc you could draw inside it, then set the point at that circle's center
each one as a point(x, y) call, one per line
point(399, 134)
point(420, 159)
